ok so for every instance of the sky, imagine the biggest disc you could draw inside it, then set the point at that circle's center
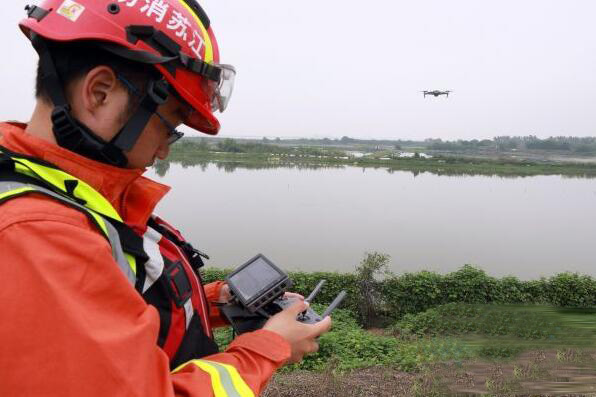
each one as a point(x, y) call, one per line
point(338, 68)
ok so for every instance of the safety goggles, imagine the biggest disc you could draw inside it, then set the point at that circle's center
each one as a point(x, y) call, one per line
point(173, 133)
point(220, 91)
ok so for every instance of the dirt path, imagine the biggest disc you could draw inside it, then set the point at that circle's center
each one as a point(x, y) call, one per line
point(539, 373)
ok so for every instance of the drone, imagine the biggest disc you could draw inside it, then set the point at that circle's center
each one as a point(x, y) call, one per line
point(436, 93)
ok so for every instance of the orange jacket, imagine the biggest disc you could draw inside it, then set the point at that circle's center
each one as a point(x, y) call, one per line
point(70, 323)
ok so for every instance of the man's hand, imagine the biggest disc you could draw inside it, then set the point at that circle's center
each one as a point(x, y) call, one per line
point(224, 293)
point(302, 337)
point(293, 295)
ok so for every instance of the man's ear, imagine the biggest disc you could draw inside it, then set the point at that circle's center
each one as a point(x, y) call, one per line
point(98, 100)
point(98, 86)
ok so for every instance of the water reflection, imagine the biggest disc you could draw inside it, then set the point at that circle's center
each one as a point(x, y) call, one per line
point(315, 217)
point(162, 167)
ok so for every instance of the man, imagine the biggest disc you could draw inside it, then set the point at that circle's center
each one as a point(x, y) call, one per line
point(100, 297)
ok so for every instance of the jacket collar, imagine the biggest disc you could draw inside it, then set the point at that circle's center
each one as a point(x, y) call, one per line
point(130, 193)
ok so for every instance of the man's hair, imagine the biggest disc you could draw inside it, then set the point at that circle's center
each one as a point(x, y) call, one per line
point(76, 58)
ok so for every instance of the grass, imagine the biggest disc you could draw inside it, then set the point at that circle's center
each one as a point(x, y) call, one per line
point(451, 332)
point(464, 332)
point(487, 348)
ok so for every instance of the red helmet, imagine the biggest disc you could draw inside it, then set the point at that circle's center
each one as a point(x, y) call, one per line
point(173, 35)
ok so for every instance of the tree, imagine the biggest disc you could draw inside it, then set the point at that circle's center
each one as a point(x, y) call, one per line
point(203, 146)
point(375, 265)
point(229, 145)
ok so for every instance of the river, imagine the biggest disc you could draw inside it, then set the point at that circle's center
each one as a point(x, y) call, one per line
point(326, 219)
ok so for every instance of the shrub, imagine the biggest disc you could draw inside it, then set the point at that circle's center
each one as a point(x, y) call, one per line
point(509, 290)
point(394, 296)
point(572, 290)
point(349, 346)
point(413, 293)
point(371, 302)
point(469, 285)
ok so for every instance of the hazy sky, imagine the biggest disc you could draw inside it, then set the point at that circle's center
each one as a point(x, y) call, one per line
point(329, 68)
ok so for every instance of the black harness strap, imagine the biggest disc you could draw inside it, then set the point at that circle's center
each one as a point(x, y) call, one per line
point(195, 256)
point(131, 242)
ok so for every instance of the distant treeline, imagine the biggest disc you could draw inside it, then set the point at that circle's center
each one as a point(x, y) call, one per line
point(570, 144)
point(508, 143)
point(575, 144)
point(511, 143)
point(229, 145)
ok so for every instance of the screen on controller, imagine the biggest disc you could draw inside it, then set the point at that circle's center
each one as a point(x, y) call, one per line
point(250, 281)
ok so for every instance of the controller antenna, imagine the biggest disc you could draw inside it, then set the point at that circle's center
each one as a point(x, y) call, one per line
point(334, 304)
point(315, 291)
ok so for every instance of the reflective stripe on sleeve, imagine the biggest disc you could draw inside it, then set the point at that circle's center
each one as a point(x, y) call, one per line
point(225, 379)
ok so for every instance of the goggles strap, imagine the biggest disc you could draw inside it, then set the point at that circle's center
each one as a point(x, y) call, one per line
point(170, 51)
point(157, 94)
point(200, 67)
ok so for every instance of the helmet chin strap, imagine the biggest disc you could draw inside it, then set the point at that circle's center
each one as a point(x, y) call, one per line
point(75, 136)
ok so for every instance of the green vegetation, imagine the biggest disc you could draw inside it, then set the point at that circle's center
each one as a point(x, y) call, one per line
point(376, 297)
point(504, 156)
point(584, 145)
point(446, 333)
point(465, 319)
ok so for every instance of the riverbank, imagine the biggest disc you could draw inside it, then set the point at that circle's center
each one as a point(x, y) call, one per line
point(256, 156)
point(452, 349)
point(464, 332)
point(537, 373)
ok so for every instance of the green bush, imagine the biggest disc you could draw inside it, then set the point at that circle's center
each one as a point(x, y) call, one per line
point(413, 293)
point(397, 295)
point(349, 346)
point(353, 348)
point(572, 290)
point(536, 291)
point(469, 285)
